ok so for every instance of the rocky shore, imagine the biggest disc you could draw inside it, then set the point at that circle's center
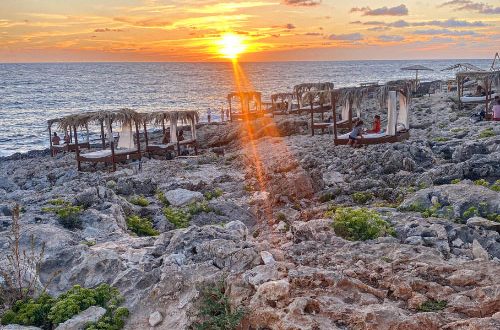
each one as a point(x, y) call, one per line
point(261, 218)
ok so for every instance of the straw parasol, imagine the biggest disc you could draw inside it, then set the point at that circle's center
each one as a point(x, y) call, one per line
point(462, 67)
point(416, 68)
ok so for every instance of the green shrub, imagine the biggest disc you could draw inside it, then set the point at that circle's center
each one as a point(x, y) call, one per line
point(216, 193)
point(178, 217)
point(281, 216)
point(326, 197)
point(139, 201)
point(441, 139)
point(455, 181)
point(433, 211)
point(482, 182)
point(362, 197)
point(495, 186)
point(199, 207)
point(433, 306)
point(141, 226)
point(215, 310)
point(360, 224)
point(486, 133)
point(493, 217)
point(160, 196)
point(46, 312)
point(68, 214)
point(330, 212)
point(470, 212)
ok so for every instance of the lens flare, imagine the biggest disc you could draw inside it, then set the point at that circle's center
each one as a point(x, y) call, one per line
point(230, 45)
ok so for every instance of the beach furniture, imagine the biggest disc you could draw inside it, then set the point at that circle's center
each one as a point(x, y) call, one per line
point(283, 103)
point(302, 94)
point(173, 118)
point(250, 105)
point(489, 80)
point(397, 121)
point(128, 146)
point(65, 147)
point(416, 68)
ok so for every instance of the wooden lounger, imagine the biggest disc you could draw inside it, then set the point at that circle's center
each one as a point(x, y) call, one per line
point(71, 147)
point(190, 142)
point(160, 149)
point(107, 157)
point(374, 138)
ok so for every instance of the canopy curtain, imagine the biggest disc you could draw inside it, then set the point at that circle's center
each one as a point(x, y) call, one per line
point(126, 140)
point(403, 111)
point(391, 113)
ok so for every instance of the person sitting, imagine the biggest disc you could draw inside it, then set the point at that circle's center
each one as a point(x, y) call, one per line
point(356, 134)
point(479, 91)
point(496, 111)
point(376, 125)
point(166, 138)
point(180, 136)
point(67, 139)
point(56, 140)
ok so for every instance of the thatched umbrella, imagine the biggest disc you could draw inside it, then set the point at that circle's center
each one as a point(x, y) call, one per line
point(462, 67)
point(416, 68)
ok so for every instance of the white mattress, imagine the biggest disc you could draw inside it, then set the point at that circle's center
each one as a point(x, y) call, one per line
point(107, 153)
point(365, 136)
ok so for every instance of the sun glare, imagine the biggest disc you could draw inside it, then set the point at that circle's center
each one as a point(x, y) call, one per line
point(231, 45)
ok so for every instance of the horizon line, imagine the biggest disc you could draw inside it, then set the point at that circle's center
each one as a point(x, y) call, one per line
point(284, 61)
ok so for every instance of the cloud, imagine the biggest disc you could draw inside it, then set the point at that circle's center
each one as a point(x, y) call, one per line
point(108, 30)
point(147, 22)
point(346, 37)
point(400, 10)
point(302, 3)
point(289, 26)
point(471, 6)
point(445, 32)
point(386, 38)
point(313, 34)
point(450, 23)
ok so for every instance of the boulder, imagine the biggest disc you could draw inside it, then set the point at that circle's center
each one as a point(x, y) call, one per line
point(478, 251)
point(79, 321)
point(483, 223)
point(18, 327)
point(182, 197)
point(155, 318)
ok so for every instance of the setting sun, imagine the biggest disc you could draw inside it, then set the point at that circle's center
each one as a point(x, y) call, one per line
point(231, 45)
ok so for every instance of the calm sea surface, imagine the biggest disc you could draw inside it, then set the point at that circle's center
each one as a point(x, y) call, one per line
point(30, 94)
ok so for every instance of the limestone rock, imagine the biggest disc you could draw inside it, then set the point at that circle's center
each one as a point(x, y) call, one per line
point(79, 321)
point(478, 251)
point(155, 318)
point(182, 197)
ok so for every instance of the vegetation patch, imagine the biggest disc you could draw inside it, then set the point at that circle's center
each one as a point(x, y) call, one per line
point(280, 217)
point(46, 312)
point(486, 133)
point(215, 310)
point(362, 197)
point(326, 197)
point(178, 217)
point(160, 196)
point(433, 306)
point(360, 224)
point(141, 226)
point(139, 201)
point(216, 193)
point(455, 181)
point(495, 186)
point(68, 214)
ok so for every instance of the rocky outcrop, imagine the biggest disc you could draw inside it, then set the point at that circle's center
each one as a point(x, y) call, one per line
point(81, 320)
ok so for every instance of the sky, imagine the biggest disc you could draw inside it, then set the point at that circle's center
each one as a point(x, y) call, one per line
point(267, 30)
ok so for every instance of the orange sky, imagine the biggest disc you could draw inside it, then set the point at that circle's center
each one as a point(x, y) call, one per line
point(272, 30)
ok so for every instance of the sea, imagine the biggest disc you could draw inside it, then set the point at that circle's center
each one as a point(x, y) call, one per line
point(30, 94)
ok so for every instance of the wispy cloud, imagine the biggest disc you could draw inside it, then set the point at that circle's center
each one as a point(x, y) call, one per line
point(450, 23)
point(107, 30)
point(387, 38)
point(346, 37)
point(400, 10)
point(469, 5)
point(445, 32)
point(302, 3)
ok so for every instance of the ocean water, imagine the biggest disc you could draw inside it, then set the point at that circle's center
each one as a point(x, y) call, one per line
point(30, 94)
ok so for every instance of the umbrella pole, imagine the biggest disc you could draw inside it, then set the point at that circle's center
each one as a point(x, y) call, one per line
point(416, 80)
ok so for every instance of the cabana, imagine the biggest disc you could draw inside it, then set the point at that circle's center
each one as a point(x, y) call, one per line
point(397, 122)
point(282, 103)
point(245, 99)
point(65, 147)
point(304, 101)
point(416, 68)
point(488, 79)
point(126, 149)
point(173, 117)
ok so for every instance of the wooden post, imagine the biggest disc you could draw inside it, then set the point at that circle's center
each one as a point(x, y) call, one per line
point(350, 115)
point(334, 118)
point(102, 135)
point(146, 139)
point(312, 119)
point(77, 149)
point(163, 126)
point(50, 142)
point(138, 139)
point(230, 109)
point(112, 146)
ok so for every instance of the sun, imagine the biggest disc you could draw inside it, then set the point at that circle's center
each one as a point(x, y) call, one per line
point(230, 45)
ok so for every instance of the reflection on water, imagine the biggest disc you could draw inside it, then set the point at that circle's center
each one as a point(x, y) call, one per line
point(32, 93)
